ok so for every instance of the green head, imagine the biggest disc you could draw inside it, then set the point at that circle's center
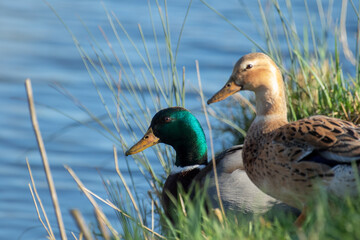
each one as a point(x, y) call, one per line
point(178, 128)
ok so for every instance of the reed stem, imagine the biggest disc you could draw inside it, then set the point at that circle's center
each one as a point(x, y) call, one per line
point(46, 165)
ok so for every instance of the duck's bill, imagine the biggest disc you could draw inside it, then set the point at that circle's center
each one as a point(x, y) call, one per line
point(148, 140)
point(229, 89)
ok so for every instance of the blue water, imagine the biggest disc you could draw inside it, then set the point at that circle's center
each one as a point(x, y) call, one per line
point(34, 44)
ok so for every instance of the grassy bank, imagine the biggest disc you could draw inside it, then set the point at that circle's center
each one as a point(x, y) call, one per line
point(315, 85)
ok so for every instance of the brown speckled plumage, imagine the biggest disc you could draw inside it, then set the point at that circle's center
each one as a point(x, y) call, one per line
point(284, 159)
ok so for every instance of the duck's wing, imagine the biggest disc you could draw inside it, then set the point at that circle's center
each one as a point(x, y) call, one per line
point(230, 159)
point(233, 158)
point(229, 152)
point(319, 139)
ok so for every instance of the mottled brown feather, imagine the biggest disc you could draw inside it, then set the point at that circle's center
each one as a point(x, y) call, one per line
point(325, 134)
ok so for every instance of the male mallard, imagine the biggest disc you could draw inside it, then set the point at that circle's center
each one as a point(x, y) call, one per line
point(177, 127)
point(285, 159)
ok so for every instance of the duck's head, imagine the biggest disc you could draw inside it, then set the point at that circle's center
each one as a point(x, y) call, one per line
point(254, 72)
point(177, 127)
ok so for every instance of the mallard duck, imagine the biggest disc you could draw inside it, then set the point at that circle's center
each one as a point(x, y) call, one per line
point(177, 127)
point(284, 159)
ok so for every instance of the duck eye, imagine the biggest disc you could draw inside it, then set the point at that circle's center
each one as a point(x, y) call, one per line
point(249, 66)
point(167, 119)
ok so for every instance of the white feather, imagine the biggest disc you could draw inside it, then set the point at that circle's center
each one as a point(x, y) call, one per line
point(177, 169)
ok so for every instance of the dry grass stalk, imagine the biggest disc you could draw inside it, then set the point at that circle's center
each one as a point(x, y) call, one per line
point(107, 202)
point(35, 197)
point(80, 222)
point(74, 236)
point(102, 225)
point(152, 216)
point(182, 205)
point(343, 34)
point(210, 136)
point(45, 160)
point(80, 236)
point(89, 195)
point(93, 202)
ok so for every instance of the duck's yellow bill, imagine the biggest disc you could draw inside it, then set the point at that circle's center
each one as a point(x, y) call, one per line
point(148, 140)
point(229, 89)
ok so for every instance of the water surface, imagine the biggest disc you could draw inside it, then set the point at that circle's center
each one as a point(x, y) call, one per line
point(34, 44)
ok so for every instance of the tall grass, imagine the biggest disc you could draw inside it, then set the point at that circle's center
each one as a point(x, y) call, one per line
point(315, 85)
point(135, 97)
point(310, 65)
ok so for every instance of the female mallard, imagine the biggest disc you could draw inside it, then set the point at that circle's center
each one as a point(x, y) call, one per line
point(177, 127)
point(285, 159)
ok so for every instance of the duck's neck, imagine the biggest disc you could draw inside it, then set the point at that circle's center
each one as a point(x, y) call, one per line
point(271, 111)
point(191, 152)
